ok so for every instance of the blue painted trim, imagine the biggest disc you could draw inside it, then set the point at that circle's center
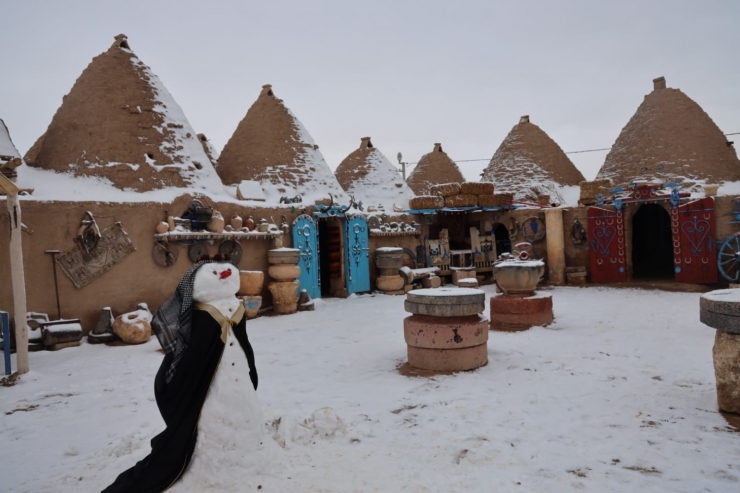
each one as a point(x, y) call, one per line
point(5, 322)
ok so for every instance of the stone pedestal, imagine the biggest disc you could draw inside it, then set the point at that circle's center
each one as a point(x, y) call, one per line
point(252, 305)
point(721, 310)
point(388, 260)
point(284, 270)
point(446, 331)
point(517, 313)
point(555, 246)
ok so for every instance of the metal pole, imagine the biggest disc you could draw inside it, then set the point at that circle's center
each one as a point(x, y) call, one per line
point(56, 285)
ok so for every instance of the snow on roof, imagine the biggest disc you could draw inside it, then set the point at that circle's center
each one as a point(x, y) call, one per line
point(434, 168)
point(368, 175)
point(670, 138)
point(7, 148)
point(529, 163)
point(208, 148)
point(271, 145)
point(120, 123)
point(250, 190)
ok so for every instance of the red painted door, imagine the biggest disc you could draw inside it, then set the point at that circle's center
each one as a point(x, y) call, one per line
point(606, 242)
point(694, 249)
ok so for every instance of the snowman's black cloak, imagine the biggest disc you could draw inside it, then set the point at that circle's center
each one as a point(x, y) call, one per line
point(180, 401)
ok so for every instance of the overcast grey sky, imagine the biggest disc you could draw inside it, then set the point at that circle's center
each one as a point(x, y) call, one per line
point(407, 73)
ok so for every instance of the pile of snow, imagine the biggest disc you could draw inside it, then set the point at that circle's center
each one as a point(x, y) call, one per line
point(617, 395)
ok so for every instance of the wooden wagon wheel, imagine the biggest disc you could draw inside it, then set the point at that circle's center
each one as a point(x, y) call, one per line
point(164, 254)
point(533, 229)
point(233, 248)
point(196, 250)
point(728, 258)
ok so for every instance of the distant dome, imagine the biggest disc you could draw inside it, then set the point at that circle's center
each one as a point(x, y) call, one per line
point(529, 163)
point(670, 138)
point(433, 169)
point(368, 175)
point(271, 145)
point(120, 123)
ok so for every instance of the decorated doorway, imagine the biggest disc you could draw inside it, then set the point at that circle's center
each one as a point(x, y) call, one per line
point(695, 251)
point(356, 258)
point(503, 241)
point(652, 244)
point(606, 241)
point(305, 239)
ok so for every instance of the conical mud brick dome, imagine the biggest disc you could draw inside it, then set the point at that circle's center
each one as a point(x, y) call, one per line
point(271, 145)
point(434, 168)
point(670, 139)
point(120, 123)
point(529, 163)
point(368, 175)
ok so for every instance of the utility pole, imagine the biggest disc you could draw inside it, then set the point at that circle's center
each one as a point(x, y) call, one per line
point(403, 165)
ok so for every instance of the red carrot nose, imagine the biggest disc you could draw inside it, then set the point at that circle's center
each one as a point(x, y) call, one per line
point(225, 273)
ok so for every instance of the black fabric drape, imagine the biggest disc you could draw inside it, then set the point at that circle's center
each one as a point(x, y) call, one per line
point(180, 403)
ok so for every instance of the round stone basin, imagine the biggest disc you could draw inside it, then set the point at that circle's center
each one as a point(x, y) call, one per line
point(519, 277)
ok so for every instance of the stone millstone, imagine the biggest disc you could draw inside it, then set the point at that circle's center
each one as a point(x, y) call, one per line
point(517, 313)
point(446, 302)
point(468, 358)
point(445, 333)
point(726, 354)
point(720, 310)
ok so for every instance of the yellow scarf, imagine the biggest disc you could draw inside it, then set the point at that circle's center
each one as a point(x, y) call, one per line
point(225, 323)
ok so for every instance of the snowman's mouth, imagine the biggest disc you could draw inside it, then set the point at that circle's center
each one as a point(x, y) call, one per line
point(225, 274)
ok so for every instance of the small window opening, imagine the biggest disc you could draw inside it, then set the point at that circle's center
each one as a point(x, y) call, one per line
point(660, 167)
point(124, 45)
point(643, 170)
point(150, 155)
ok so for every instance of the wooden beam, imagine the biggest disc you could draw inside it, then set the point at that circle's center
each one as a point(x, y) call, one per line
point(18, 280)
point(8, 186)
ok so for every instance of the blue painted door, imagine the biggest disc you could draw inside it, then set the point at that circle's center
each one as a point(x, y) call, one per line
point(357, 258)
point(305, 239)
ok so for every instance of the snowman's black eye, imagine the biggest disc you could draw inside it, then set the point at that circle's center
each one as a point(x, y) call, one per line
point(215, 273)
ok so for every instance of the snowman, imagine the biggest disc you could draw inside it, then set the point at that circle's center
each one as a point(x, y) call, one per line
point(205, 390)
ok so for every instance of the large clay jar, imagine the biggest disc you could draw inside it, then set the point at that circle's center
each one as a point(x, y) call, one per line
point(284, 272)
point(216, 224)
point(389, 283)
point(519, 277)
point(250, 282)
point(162, 227)
point(249, 223)
point(236, 222)
point(284, 297)
point(389, 258)
point(252, 305)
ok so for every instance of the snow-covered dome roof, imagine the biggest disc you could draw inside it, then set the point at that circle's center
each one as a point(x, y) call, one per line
point(433, 169)
point(670, 138)
point(529, 163)
point(121, 124)
point(271, 145)
point(368, 175)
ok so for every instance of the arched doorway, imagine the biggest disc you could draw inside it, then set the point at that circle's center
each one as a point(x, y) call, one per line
point(503, 242)
point(652, 252)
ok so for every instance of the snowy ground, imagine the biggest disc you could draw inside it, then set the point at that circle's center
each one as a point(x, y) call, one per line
point(617, 395)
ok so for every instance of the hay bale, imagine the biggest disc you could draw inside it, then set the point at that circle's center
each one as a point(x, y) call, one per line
point(487, 200)
point(504, 199)
point(461, 200)
point(427, 202)
point(590, 189)
point(473, 188)
point(445, 189)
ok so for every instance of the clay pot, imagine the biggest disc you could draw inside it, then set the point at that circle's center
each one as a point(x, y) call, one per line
point(284, 272)
point(519, 277)
point(263, 226)
point(250, 282)
point(216, 224)
point(236, 222)
point(162, 227)
point(389, 283)
point(284, 296)
point(171, 223)
point(252, 305)
point(249, 223)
